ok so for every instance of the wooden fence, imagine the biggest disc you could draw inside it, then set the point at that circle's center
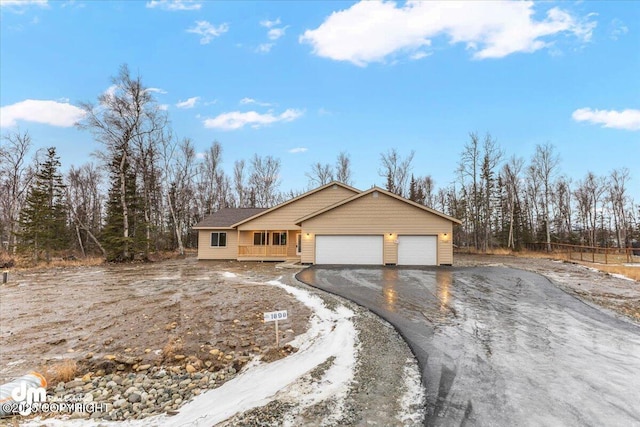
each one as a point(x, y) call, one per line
point(593, 254)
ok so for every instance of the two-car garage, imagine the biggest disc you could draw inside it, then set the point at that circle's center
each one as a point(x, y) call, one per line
point(376, 227)
point(369, 249)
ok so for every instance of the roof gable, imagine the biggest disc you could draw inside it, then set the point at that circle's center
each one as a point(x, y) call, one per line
point(296, 199)
point(371, 190)
point(226, 217)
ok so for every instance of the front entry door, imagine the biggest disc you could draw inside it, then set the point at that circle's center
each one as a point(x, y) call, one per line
point(299, 244)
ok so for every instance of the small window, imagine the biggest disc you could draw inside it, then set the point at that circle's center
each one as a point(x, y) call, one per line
point(260, 239)
point(280, 238)
point(219, 239)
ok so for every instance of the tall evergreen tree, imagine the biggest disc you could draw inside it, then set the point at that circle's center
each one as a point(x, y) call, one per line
point(43, 220)
point(120, 247)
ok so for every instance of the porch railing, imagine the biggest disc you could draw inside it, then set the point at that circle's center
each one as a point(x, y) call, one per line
point(265, 250)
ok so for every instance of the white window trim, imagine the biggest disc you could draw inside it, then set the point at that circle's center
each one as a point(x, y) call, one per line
point(225, 239)
point(280, 233)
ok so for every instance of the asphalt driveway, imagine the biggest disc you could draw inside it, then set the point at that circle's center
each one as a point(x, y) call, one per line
point(500, 346)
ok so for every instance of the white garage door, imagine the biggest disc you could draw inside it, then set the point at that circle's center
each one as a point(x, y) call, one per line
point(349, 250)
point(417, 250)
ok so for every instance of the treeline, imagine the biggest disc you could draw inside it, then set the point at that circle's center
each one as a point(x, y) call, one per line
point(147, 188)
point(511, 202)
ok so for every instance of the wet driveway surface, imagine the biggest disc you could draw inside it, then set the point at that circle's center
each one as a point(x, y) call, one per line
point(500, 346)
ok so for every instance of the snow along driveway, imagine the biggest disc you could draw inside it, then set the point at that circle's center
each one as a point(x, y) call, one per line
point(500, 346)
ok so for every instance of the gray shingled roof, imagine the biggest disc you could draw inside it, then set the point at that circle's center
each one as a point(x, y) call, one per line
point(226, 217)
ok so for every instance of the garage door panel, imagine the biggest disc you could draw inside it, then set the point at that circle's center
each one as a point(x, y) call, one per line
point(417, 250)
point(361, 250)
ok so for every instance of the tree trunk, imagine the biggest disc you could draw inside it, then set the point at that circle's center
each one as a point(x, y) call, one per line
point(125, 210)
point(175, 225)
point(84, 255)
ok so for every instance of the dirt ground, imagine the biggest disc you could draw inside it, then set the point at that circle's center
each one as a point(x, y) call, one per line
point(123, 317)
point(617, 294)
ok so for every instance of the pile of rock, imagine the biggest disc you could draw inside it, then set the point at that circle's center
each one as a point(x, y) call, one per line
point(128, 389)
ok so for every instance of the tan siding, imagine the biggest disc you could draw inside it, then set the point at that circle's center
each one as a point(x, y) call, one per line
point(445, 247)
point(308, 249)
point(246, 237)
point(390, 249)
point(284, 218)
point(205, 251)
point(379, 215)
point(291, 242)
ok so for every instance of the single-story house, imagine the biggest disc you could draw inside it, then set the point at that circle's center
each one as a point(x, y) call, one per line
point(332, 224)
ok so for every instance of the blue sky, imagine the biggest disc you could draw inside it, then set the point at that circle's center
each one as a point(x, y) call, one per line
point(302, 81)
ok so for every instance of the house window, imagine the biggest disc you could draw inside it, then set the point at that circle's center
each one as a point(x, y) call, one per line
point(219, 239)
point(260, 239)
point(280, 238)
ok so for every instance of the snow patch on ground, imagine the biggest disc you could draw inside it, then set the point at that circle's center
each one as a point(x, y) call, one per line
point(229, 274)
point(620, 276)
point(412, 401)
point(330, 334)
point(335, 381)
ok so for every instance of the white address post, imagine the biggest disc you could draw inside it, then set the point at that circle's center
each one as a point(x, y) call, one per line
point(275, 316)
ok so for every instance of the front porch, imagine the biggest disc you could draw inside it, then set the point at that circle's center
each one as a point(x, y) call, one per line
point(269, 245)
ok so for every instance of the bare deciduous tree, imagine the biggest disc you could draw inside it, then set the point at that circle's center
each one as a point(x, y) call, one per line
point(85, 200)
point(264, 181)
point(126, 116)
point(343, 169)
point(396, 171)
point(179, 171)
point(511, 177)
point(618, 199)
point(491, 157)
point(320, 174)
point(16, 173)
point(545, 164)
point(469, 168)
point(239, 184)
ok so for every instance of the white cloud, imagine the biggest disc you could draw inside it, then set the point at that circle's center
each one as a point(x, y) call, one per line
point(163, 107)
point(20, 5)
point(273, 34)
point(175, 4)
point(111, 91)
point(298, 150)
point(237, 120)
point(208, 31)
point(276, 33)
point(264, 48)
point(371, 31)
point(156, 90)
point(52, 113)
point(617, 28)
point(419, 55)
point(245, 101)
point(189, 103)
point(269, 24)
point(201, 155)
point(626, 119)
